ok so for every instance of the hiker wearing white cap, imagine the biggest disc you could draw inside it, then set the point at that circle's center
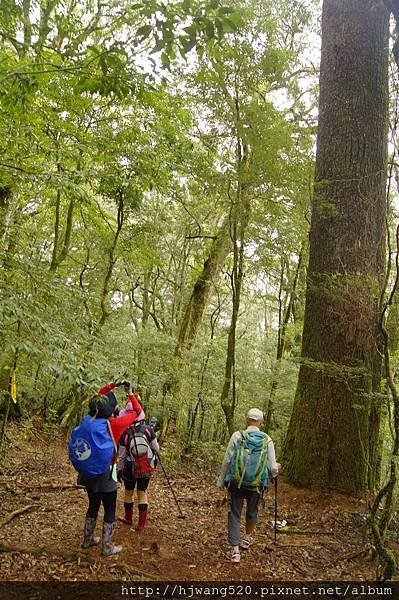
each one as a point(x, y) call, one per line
point(249, 462)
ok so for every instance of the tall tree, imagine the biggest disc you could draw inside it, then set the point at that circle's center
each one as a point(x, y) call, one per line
point(333, 432)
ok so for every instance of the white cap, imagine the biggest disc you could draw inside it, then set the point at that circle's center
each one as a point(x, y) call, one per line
point(255, 414)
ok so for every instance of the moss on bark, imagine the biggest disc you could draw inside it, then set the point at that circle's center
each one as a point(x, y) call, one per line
point(333, 432)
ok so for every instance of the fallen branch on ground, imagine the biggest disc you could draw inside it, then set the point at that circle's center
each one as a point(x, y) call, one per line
point(301, 570)
point(73, 556)
point(11, 516)
point(303, 532)
point(363, 552)
point(47, 551)
point(123, 566)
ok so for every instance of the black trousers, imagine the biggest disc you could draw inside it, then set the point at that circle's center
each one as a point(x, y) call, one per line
point(108, 499)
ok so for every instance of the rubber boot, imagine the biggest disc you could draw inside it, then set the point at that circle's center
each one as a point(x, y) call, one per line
point(108, 546)
point(143, 512)
point(88, 532)
point(128, 518)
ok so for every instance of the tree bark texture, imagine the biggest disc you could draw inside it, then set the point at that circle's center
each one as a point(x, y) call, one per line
point(195, 309)
point(240, 216)
point(285, 313)
point(333, 430)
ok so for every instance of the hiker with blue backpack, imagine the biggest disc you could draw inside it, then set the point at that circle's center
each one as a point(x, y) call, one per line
point(248, 465)
point(92, 451)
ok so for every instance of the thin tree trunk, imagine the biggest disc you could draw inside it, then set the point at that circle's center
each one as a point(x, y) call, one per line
point(200, 397)
point(27, 24)
point(105, 312)
point(60, 253)
point(284, 318)
point(239, 222)
point(379, 523)
point(195, 309)
point(7, 207)
point(229, 386)
point(5, 387)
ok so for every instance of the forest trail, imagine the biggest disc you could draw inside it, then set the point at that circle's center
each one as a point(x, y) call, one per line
point(326, 538)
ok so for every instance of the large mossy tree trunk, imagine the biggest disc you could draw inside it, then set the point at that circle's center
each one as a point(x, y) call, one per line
point(334, 427)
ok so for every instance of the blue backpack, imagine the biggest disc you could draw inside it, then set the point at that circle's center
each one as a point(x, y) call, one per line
point(91, 447)
point(249, 465)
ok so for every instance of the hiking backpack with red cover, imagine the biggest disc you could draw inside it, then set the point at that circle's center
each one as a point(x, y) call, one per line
point(137, 440)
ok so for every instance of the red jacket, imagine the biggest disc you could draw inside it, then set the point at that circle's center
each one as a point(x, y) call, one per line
point(119, 424)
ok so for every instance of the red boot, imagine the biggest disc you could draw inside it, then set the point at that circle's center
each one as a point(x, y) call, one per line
point(128, 517)
point(143, 512)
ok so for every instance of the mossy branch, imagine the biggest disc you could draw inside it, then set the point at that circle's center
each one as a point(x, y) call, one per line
point(379, 525)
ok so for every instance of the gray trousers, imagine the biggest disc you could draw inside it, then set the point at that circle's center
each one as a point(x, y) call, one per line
point(236, 502)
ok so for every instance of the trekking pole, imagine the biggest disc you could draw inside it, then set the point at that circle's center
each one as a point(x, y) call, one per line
point(275, 510)
point(181, 515)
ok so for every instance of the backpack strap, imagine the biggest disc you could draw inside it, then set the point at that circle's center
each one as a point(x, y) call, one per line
point(266, 441)
point(242, 459)
point(113, 441)
point(128, 436)
point(113, 462)
point(150, 433)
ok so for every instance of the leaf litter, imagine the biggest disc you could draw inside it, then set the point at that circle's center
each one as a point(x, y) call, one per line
point(325, 537)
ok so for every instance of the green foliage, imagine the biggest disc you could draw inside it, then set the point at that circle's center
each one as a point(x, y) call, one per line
point(182, 25)
point(119, 130)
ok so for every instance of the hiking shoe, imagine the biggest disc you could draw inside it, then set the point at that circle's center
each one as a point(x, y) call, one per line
point(234, 555)
point(246, 541)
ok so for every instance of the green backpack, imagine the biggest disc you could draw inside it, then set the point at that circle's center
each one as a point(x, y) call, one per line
point(249, 465)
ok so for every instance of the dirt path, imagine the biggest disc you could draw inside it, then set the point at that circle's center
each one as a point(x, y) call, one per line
point(326, 539)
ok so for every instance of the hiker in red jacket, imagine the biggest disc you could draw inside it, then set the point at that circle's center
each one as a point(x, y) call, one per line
point(103, 488)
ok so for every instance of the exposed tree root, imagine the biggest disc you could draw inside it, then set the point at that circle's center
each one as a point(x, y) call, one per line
point(15, 513)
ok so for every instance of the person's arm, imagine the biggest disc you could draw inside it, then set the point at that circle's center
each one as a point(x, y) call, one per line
point(227, 458)
point(154, 445)
point(107, 388)
point(119, 424)
point(135, 402)
point(273, 466)
point(152, 440)
point(121, 458)
point(128, 407)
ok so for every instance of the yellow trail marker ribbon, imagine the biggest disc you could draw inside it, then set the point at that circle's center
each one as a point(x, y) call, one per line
point(13, 386)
